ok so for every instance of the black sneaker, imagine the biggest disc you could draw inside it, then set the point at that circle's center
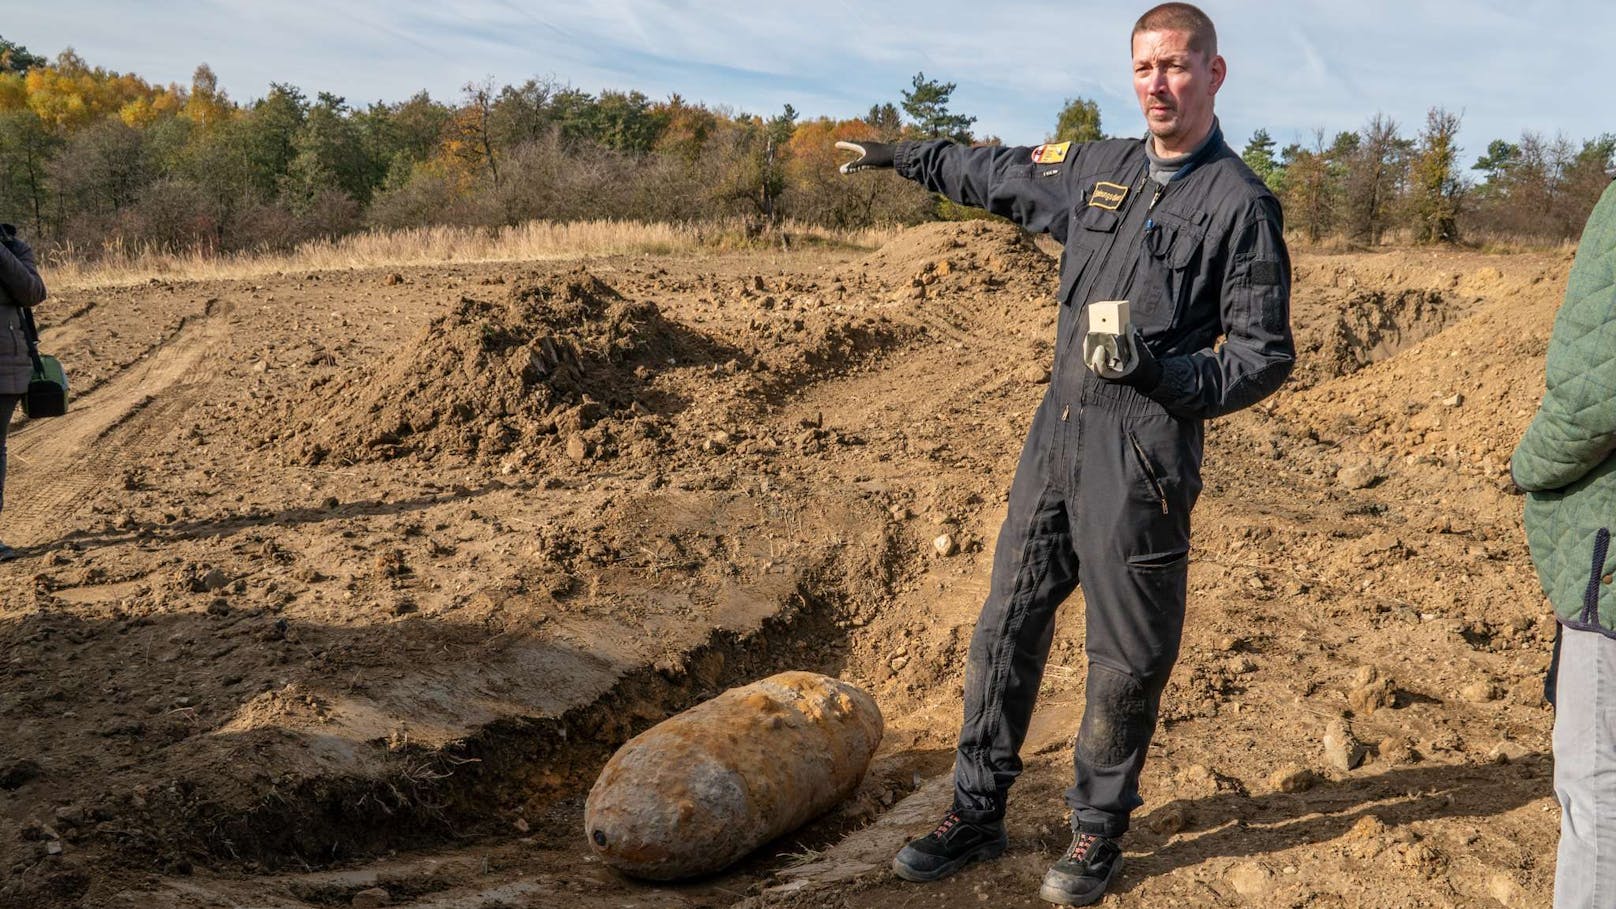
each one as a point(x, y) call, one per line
point(1083, 873)
point(954, 844)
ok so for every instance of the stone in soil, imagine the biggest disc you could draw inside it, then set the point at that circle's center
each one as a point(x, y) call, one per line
point(1342, 750)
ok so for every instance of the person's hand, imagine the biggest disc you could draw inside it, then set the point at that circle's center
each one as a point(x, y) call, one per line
point(1122, 358)
point(871, 155)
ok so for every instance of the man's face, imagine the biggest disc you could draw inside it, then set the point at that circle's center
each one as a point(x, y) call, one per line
point(1175, 86)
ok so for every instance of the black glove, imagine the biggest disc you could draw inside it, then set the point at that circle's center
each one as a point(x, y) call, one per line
point(1148, 373)
point(871, 156)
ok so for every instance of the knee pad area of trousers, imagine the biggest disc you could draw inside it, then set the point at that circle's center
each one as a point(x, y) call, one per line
point(1117, 717)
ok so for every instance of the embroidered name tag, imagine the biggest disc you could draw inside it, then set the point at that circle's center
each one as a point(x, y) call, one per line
point(1108, 196)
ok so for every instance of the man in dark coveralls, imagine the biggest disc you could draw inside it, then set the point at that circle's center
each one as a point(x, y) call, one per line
point(1179, 227)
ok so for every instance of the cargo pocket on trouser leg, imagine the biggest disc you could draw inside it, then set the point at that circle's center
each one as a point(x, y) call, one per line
point(1159, 582)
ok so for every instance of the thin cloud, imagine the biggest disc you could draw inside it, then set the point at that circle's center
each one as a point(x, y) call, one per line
point(1305, 64)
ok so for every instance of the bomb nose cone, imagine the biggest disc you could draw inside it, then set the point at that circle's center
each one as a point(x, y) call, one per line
point(703, 788)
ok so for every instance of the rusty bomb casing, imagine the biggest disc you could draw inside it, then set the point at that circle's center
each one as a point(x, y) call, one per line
point(703, 788)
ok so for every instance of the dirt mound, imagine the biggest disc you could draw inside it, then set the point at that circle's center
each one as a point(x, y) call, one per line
point(952, 256)
point(1447, 411)
point(552, 359)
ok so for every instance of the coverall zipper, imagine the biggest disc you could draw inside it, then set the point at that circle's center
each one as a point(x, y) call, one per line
point(1150, 224)
point(1144, 462)
point(1111, 249)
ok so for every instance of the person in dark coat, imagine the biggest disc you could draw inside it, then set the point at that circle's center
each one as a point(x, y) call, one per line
point(20, 286)
point(1177, 226)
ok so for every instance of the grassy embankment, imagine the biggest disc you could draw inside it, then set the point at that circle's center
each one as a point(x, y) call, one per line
point(533, 241)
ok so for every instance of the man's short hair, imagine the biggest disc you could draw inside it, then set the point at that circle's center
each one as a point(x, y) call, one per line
point(1181, 17)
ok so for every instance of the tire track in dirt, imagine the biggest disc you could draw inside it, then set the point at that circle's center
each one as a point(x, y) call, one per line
point(57, 465)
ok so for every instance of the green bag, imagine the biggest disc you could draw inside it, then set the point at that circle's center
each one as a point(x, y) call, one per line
point(47, 386)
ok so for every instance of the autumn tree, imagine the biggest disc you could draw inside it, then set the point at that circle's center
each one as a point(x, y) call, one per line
point(1584, 180)
point(686, 129)
point(818, 193)
point(206, 105)
point(90, 156)
point(1539, 187)
point(1309, 194)
point(1376, 169)
point(1436, 189)
point(467, 138)
point(68, 94)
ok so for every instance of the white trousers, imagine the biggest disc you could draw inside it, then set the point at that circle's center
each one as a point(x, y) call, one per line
point(1585, 771)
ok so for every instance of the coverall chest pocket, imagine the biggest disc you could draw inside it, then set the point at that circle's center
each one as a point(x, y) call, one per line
point(1172, 246)
point(1095, 228)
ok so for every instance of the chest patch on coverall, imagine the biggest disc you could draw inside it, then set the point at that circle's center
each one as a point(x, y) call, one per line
point(1108, 196)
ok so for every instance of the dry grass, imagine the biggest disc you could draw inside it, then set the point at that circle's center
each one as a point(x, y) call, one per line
point(119, 264)
point(1488, 242)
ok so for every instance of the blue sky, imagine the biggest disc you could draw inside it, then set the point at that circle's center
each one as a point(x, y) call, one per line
point(1293, 67)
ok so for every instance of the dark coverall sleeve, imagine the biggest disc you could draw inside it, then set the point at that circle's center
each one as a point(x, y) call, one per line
point(1257, 352)
point(996, 178)
point(19, 277)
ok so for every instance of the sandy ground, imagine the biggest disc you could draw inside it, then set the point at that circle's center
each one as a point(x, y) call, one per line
point(353, 579)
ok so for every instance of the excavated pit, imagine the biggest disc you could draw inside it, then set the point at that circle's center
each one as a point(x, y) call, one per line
point(527, 772)
point(1339, 332)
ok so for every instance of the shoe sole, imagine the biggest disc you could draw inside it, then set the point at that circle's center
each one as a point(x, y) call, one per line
point(1051, 894)
point(980, 854)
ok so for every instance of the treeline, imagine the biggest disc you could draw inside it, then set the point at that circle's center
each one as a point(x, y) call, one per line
point(1362, 187)
point(91, 158)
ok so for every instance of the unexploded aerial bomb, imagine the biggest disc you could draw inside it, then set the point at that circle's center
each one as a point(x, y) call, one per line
point(705, 787)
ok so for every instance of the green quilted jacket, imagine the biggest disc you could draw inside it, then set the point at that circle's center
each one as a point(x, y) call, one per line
point(1564, 462)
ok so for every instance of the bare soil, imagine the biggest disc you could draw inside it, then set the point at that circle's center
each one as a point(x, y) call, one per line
point(339, 580)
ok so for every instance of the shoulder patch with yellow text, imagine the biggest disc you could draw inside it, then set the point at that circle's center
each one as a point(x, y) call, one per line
point(1108, 196)
point(1051, 154)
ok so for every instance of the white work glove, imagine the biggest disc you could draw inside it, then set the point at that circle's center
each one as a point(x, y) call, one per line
point(1110, 356)
point(1122, 358)
point(871, 156)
